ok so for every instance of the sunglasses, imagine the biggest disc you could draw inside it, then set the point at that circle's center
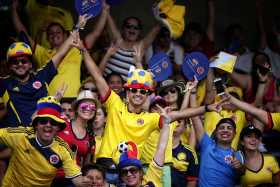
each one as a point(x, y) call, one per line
point(16, 61)
point(132, 170)
point(141, 90)
point(90, 89)
point(45, 121)
point(86, 106)
point(165, 92)
point(135, 27)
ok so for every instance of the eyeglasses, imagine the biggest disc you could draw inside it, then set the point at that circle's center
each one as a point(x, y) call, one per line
point(86, 106)
point(16, 61)
point(90, 89)
point(132, 170)
point(135, 27)
point(46, 120)
point(141, 90)
point(165, 92)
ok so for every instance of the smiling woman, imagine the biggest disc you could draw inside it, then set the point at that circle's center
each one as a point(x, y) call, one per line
point(261, 169)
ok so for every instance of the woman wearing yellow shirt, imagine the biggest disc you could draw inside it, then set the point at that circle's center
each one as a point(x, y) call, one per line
point(261, 169)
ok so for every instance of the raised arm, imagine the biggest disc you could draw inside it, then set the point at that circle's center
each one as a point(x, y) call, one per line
point(242, 80)
point(64, 48)
point(256, 112)
point(18, 23)
point(210, 92)
point(190, 112)
point(101, 84)
point(188, 90)
point(210, 31)
point(96, 32)
point(196, 120)
point(149, 38)
point(113, 30)
point(110, 51)
point(159, 155)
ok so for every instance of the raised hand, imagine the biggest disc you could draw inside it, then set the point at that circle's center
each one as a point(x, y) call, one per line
point(164, 113)
point(113, 48)
point(82, 21)
point(217, 107)
point(191, 84)
point(60, 92)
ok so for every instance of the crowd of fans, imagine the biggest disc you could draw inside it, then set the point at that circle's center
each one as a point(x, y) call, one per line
point(84, 110)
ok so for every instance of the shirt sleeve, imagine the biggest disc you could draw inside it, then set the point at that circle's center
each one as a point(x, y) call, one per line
point(47, 72)
point(153, 174)
point(193, 169)
point(112, 100)
point(11, 136)
point(70, 166)
point(205, 142)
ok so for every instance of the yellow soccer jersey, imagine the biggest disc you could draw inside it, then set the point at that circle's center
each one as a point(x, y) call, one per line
point(27, 166)
point(150, 146)
point(263, 175)
point(153, 175)
point(98, 141)
point(68, 70)
point(276, 121)
point(40, 16)
point(212, 118)
point(122, 125)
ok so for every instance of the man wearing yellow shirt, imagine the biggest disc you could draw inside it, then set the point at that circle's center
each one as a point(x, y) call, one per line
point(128, 121)
point(69, 69)
point(36, 151)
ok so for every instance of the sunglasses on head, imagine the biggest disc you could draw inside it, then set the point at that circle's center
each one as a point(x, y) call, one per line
point(132, 170)
point(46, 120)
point(17, 61)
point(141, 90)
point(165, 92)
point(86, 106)
point(135, 27)
point(90, 89)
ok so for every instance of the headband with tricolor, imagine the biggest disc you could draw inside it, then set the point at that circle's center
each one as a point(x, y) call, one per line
point(140, 78)
point(49, 107)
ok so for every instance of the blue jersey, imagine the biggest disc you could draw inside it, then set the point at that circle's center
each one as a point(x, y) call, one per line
point(21, 98)
point(215, 164)
point(185, 165)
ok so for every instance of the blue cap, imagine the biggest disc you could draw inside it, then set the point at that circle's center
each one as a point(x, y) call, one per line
point(160, 66)
point(127, 160)
point(195, 64)
point(90, 7)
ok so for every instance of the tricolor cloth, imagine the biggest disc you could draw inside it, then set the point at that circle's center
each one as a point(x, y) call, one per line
point(139, 78)
point(49, 107)
point(172, 16)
